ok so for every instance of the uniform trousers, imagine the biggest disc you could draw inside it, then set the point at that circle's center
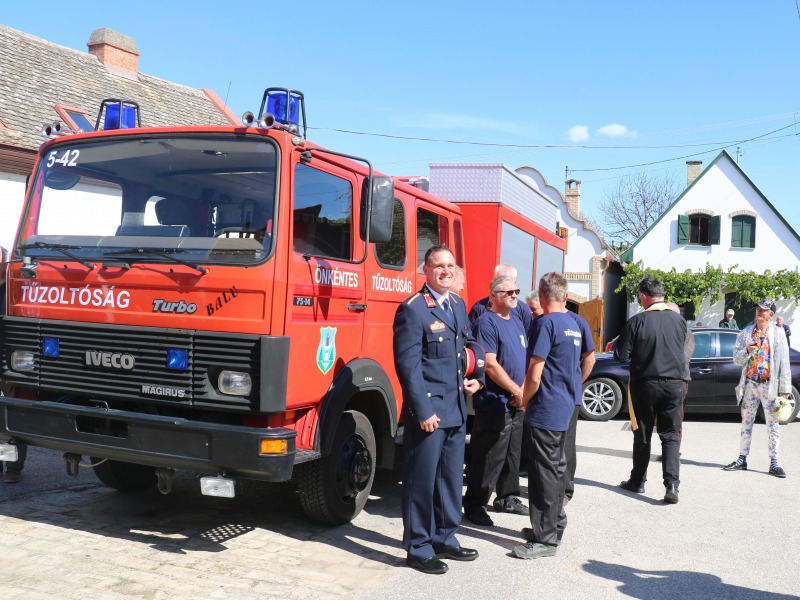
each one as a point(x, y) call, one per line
point(657, 403)
point(433, 465)
point(571, 453)
point(547, 467)
point(495, 448)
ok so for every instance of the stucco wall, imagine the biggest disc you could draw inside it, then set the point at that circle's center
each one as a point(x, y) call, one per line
point(12, 195)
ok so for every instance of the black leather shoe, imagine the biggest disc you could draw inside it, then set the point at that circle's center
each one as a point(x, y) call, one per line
point(632, 487)
point(671, 497)
point(431, 566)
point(736, 466)
point(463, 554)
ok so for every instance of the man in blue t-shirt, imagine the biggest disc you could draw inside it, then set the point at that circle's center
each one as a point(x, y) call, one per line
point(496, 442)
point(551, 391)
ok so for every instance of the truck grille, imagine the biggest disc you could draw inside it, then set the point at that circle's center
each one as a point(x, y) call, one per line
point(149, 380)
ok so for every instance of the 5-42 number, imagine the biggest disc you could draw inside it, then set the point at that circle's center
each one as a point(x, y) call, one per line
point(68, 159)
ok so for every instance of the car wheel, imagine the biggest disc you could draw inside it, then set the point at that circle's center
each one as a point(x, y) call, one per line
point(794, 398)
point(601, 399)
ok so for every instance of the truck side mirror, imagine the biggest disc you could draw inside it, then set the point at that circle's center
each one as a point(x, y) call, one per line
point(382, 209)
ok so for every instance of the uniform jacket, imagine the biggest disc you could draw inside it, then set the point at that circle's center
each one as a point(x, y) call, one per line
point(780, 379)
point(428, 359)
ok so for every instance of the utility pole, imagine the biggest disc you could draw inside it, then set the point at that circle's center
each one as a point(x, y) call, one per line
point(738, 154)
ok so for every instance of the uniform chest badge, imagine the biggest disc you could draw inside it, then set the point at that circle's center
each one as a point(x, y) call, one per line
point(438, 326)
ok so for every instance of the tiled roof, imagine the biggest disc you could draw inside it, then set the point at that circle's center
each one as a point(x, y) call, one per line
point(36, 74)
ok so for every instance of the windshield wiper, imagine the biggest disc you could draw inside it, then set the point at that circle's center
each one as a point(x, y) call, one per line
point(63, 248)
point(163, 252)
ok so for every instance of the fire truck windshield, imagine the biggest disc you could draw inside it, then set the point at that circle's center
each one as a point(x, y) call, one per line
point(210, 198)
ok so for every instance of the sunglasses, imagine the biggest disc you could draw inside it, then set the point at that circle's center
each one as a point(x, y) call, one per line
point(506, 292)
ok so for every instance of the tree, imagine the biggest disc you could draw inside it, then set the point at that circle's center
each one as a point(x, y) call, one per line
point(633, 204)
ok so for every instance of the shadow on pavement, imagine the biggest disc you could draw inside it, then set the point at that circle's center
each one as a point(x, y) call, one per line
point(186, 521)
point(638, 583)
point(618, 490)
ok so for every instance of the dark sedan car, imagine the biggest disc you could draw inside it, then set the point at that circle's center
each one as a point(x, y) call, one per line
point(714, 377)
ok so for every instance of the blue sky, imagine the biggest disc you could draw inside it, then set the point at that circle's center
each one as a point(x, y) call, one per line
point(636, 82)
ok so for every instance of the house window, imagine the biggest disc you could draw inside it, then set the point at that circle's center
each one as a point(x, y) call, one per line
point(74, 118)
point(743, 232)
point(698, 229)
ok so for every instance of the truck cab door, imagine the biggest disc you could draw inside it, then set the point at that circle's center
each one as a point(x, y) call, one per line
point(325, 292)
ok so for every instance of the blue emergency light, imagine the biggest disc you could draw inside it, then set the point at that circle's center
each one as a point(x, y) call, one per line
point(286, 106)
point(50, 347)
point(118, 114)
point(177, 359)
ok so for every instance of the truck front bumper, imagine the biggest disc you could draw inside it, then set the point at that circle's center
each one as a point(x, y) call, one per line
point(154, 440)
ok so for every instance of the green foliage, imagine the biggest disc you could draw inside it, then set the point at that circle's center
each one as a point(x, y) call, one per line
point(694, 287)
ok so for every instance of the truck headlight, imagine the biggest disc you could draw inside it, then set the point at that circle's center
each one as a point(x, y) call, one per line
point(23, 360)
point(235, 383)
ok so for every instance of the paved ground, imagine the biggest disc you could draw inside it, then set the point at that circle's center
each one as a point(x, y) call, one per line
point(727, 538)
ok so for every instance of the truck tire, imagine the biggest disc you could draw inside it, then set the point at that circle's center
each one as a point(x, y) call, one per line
point(334, 488)
point(124, 476)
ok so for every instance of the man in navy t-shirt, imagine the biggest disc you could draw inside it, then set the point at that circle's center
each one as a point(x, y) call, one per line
point(496, 442)
point(552, 389)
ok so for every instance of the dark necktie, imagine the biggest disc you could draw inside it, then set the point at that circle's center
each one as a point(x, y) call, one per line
point(448, 313)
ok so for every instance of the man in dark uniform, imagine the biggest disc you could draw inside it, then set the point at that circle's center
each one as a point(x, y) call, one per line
point(430, 333)
point(653, 341)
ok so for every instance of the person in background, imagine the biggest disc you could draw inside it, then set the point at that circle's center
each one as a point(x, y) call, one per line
point(698, 324)
point(779, 322)
point(484, 304)
point(13, 470)
point(532, 300)
point(653, 341)
point(762, 352)
point(496, 441)
point(728, 322)
point(551, 391)
point(458, 286)
point(431, 330)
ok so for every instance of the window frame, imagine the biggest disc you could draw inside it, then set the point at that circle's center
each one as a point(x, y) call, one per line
point(740, 220)
point(63, 111)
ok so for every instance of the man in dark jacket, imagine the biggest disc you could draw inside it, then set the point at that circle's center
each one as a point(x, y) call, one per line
point(431, 330)
point(653, 341)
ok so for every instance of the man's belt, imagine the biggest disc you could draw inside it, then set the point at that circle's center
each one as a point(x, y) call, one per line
point(759, 379)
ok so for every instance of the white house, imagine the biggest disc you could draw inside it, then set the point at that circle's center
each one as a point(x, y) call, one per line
point(723, 219)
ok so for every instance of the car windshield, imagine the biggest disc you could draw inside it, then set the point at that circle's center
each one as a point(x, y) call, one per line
point(209, 198)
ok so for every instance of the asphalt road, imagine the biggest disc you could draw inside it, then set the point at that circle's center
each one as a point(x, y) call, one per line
point(732, 535)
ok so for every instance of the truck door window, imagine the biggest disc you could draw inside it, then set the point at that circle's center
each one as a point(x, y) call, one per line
point(323, 205)
point(431, 231)
point(392, 254)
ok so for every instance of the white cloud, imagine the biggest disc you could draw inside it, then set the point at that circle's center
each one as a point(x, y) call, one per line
point(578, 133)
point(615, 130)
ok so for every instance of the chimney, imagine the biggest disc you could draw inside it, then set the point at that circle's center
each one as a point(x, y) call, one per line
point(116, 51)
point(693, 168)
point(573, 195)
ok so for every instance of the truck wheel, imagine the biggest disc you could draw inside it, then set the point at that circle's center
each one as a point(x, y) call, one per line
point(124, 476)
point(335, 488)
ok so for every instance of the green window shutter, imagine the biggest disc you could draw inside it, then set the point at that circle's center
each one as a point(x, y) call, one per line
point(714, 231)
point(736, 232)
point(748, 232)
point(683, 229)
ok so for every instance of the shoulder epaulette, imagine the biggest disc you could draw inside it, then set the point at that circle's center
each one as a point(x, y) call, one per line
point(414, 297)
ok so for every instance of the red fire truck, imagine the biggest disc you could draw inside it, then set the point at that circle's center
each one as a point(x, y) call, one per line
point(216, 300)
